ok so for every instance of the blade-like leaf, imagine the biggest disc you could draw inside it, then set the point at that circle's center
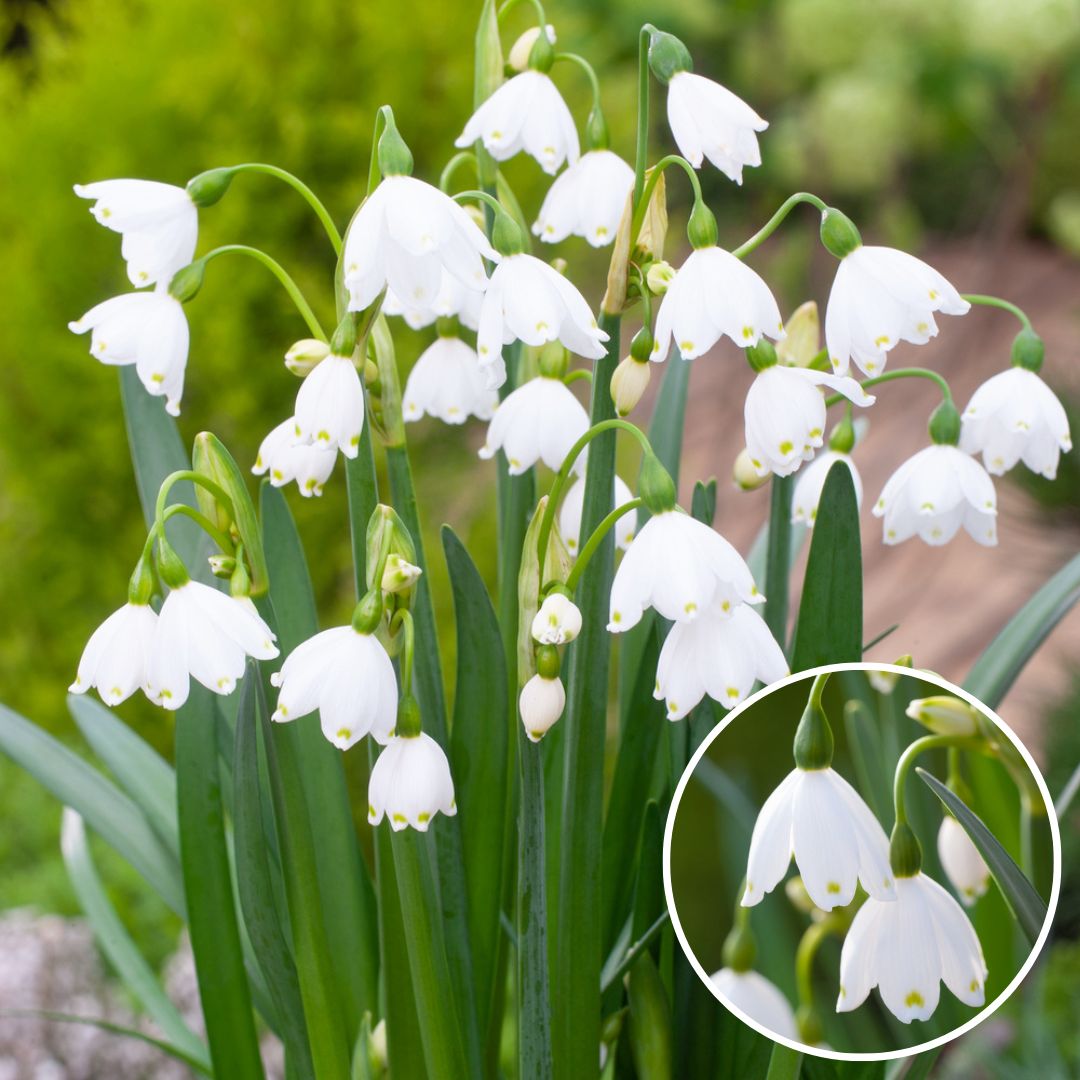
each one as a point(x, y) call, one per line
point(778, 556)
point(829, 626)
point(784, 1064)
point(109, 812)
point(1025, 903)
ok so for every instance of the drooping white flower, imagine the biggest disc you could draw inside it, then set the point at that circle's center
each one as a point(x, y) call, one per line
point(882, 296)
point(816, 817)
point(680, 567)
point(960, 859)
point(722, 654)
point(348, 677)
point(713, 295)
point(406, 235)
point(906, 947)
point(785, 415)
point(330, 406)
point(158, 222)
point(540, 704)
point(410, 783)
point(207, 635)
point(573, 504)
point(452, 300)
point(587, 200)
point(446, 382)
point(286, 459)
point(708, 121)
point(147, 329)
point(539, 421)
point(811, 482)
point(116, 657)
point(1015, 416)
point(528, 300)
point(934, 493)
point(763, 1001)
point(525, 113)
point(557, 622)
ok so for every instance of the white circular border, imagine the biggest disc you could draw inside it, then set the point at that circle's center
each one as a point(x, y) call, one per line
point(986, 1011)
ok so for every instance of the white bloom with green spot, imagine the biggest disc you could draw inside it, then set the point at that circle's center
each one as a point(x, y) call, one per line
point(907, 947)
point(811, 483)
point(934, 494)
point(816, 817)
point(960, 859)
point(348, 677)
point(714, 295)
point(557, 622)
point(573, 505)
point(410, 783)
point(283, 459)
point(117, 656)
point(751, 993)
point(446, 382)
point(681, 567)
point(452, 300)
point(330, 406)
point(587, 200)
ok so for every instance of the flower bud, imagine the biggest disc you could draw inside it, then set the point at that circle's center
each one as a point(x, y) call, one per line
point(659, 276)
point(838, 233)
point(597, 136)
point(378, 1057)
point(387, 535)
point(305, 355)
point(187, 281)
point(518, 58)
point(1028, 350)
point(808, 1024)
point(802, 336)
point(905, 853)
point(667, 55)
point(541, 704)
point(745, 475)
point(629, 382)
point(945, 715)
point(506, 235)
point(208, 187)
point(399, 575)
point(701, 229)
point(740, 948)
point(655, 486)
point(813, 746)
point(557, 622)
point(884, 682)
point(960, 859)
point(842, 436)
point(762, 355)
point(222, 566)
point(944, 424)
point(395, 158)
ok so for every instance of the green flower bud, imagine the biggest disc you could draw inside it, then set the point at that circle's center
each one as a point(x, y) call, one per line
point(305, 355)
point(701, 228)
point(141, 585)
point(641, 345)
point(408, 718)
point(553, 360)
point(597, 136)
point(944, 424)
point(842, 437)
point(187, 281)
point(813, 746)
point(395, 158)
point(386, 536)
point(945, 715)
point(667, 55)
point(345, 338)
point(222, 566)
point(542, 54)
point(809, 1026)
point(655, 486)
point(556, 568)
point(517, 59)
point(368, 613)
point(838, 233)
point(548, 664)
point(905, 852)
point(762, 355)
point(208, 187)
point(171, 568)
point(506, 235)
point(659, 276)
point(1028, 350)
point(740, 949)
point(399, 575)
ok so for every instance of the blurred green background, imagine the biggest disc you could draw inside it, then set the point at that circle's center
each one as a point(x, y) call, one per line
point(955, 117)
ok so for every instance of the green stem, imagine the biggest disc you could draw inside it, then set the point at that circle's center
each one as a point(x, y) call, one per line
point(298, 185)
point(778, 557)
point(575, 376)
point(196, 478)
point(403, 621)
point(919, 746)
point(642, 206)
point(204, 523)
point(589, 70)
point(634, 951)
point(281, 274)
point(641, 153)
point(481, 196)
point(508, 5)
point(452, 166)
point(773, 223)
point(817, 690)
point(596, 539)
point(998, 302)
point(899, 373)
point(809, 944)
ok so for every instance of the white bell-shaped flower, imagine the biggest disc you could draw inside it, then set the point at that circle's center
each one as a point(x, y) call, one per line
point(528, 300)
point(713, 295)
point(751, 993)
point(573, 505)
point(405, 235)
point(708, 121)
point(285, 459)
point(811, 482)
point(348, 677)
point(681, 567)
point(880, 297)
point(158, 222)
point(147, 329)
point(526, 113)
point(960, 859)
point(207, 635)
point(539, 421)
point(446, 382)
point(722, 654)
point(587, 200)
point(540, 704)
point(330, 406)
point(785, 415)
point(410, 783)
point(1014, 416)
point(906, 947)
point(116, 658)
point(452, 300)
point(557, 622)
point(935, 493)
point(816, 817)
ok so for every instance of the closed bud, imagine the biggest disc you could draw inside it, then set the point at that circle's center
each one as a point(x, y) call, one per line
point(395, 157)
point(1028, 350)
point(387, 537)
point(222, 566)
point(629, 382)
point(208, 187)
point(945, 715)
point(745, 475)
point(557, 622)
point(884, 682)
point(187, 281)
point(740, 948)
point(809, 1026)
point(659, 276)
point(667, 55)
point(305, 355)
point(399, 575)
point(541, 704)
point(802, 336)
point(518, 57)
point(701, 229)
point(838, 233)
point(655, 486)
point(944, 424)
point(507, 236)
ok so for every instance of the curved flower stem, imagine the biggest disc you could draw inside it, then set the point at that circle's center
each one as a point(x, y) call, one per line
point(773, 223)
point(196, 478)
point(575, 376)
point(998, 302)
point(281, 274)
point(452, 166)
point(809, 944)
point(508, 5)
point(298, 185)
point(899, 373)
point(204, 523)
point(817, 690)
point(481, 196)
point(641, 205)
point(641, 155)
point(403, 621)
point(590, 71)
point(564, 473)
point(919, 746)
point(597, 539)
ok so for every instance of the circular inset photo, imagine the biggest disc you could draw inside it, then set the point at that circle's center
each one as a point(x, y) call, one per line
point(862, 861)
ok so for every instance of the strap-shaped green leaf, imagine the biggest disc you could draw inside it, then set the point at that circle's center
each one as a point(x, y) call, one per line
point(784, 1064)
point(1019, 893)
point(829, 626)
